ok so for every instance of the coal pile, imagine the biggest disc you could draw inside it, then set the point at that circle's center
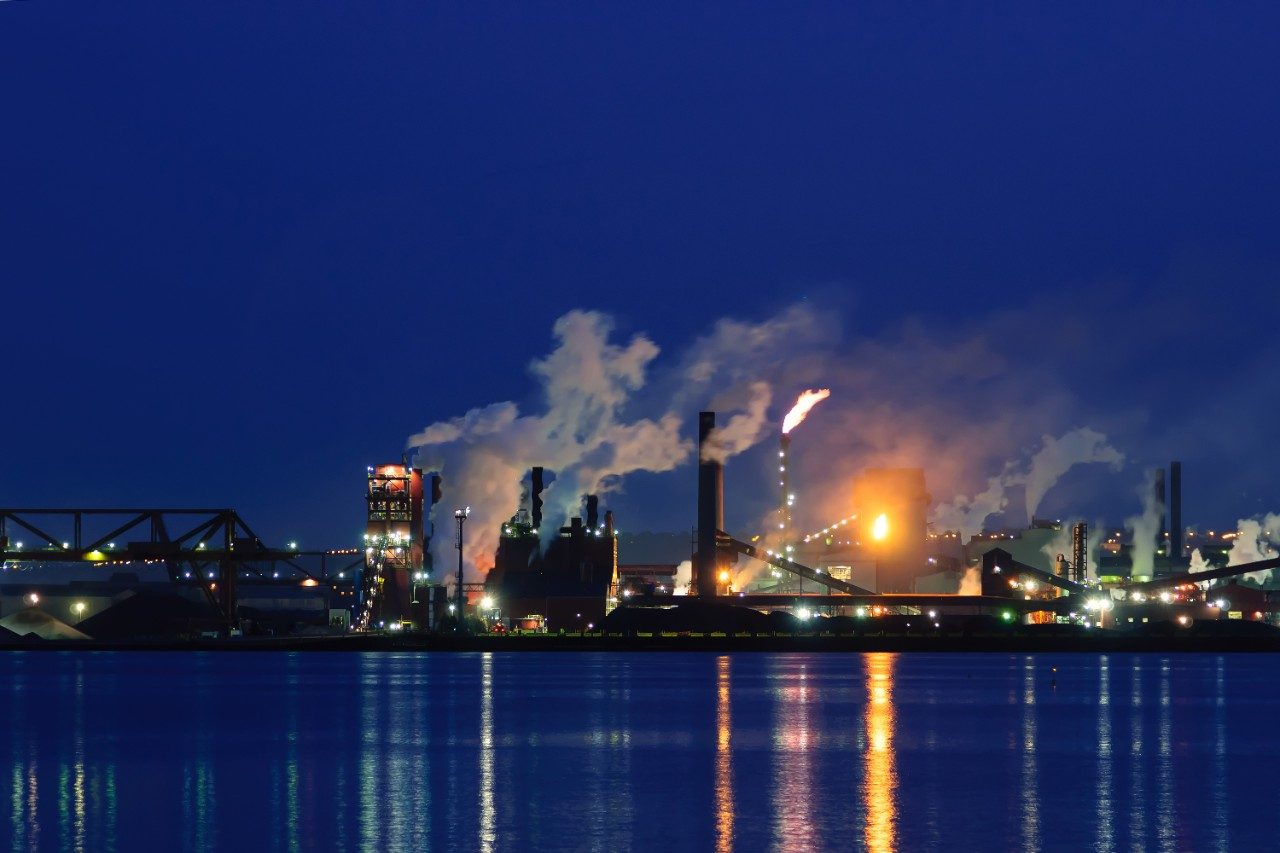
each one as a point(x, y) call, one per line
point(150, 616)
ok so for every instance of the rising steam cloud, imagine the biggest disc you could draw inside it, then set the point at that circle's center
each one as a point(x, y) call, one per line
point(1038, 474)
point(1145, 528)
point(586, 435)
point(904, 397)
point(1254, 541)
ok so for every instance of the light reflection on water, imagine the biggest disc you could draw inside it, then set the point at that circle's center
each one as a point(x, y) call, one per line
point(635, 751)
point(724, 757)
point(880, 784)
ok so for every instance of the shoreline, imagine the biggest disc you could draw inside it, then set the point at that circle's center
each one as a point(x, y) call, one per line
point(1025, 643)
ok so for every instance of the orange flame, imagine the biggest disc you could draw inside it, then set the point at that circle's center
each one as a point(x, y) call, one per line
point(800, 410)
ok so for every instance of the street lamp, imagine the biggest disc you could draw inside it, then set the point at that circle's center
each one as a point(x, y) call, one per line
point(461, 516)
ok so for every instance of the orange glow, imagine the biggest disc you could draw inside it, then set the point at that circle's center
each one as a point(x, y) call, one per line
point(724, 763)
point(880, 527)
point(800, 410)
point(310, 582)
point(724, 576)
point(880, 780)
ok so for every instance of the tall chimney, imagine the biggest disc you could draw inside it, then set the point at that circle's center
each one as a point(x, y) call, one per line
point(1175, 510)
point(1160, 503)
point(710, 509)
point(535, 497)
point(593, 513)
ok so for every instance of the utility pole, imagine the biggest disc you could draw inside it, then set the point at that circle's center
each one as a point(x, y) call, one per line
point(461, 516)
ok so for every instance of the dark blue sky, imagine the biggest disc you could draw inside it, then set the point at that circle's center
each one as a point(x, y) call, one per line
point(247, 248)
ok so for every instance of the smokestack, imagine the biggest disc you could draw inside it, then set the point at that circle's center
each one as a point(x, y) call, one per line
point(535, 497)
point(593, 512)
point(608, 523)
point(1160, 504)
point(710, 509)
point(1175, 510)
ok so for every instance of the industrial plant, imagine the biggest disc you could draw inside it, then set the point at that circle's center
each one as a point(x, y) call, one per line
point(172, 575)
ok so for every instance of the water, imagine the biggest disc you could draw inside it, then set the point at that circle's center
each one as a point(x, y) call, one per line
point(294, 752)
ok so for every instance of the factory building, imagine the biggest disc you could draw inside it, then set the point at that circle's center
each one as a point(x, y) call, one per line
point(569, 579)
point(395, 546)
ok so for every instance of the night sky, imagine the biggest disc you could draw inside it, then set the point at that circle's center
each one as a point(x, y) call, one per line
point(249, 248)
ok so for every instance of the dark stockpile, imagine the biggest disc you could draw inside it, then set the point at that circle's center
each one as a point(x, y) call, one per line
point(150, 615)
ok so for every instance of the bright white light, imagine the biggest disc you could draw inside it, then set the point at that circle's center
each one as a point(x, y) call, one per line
point(486, 603)
point(803, 613)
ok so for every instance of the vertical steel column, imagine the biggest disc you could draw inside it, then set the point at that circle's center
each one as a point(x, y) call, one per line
point(1080, 551)
point(461, 516)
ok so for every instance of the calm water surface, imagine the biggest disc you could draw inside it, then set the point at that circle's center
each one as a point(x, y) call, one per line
point(103, 751)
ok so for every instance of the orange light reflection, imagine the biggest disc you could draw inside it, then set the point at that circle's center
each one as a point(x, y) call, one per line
point(724, 763)
point(880, 781)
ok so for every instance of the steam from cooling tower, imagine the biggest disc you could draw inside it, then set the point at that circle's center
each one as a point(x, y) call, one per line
point(804, 403)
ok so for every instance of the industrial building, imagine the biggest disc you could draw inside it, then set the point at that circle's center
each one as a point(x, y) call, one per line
point(570, 579)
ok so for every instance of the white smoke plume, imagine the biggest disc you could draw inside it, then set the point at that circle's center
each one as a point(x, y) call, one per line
point(1057, 456)
point(1093, 550)
point(744, 429)
point(1060, 543)
point(684, 578)
point(582, 436)
point(967, 515)
point(1144, 528)
point(585, 437)
point(1039, 474)
point(1253, 542)
point(971, 581)
point(1199, 564)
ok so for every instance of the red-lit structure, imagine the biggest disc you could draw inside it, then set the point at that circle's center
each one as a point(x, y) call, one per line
point(394, 546)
